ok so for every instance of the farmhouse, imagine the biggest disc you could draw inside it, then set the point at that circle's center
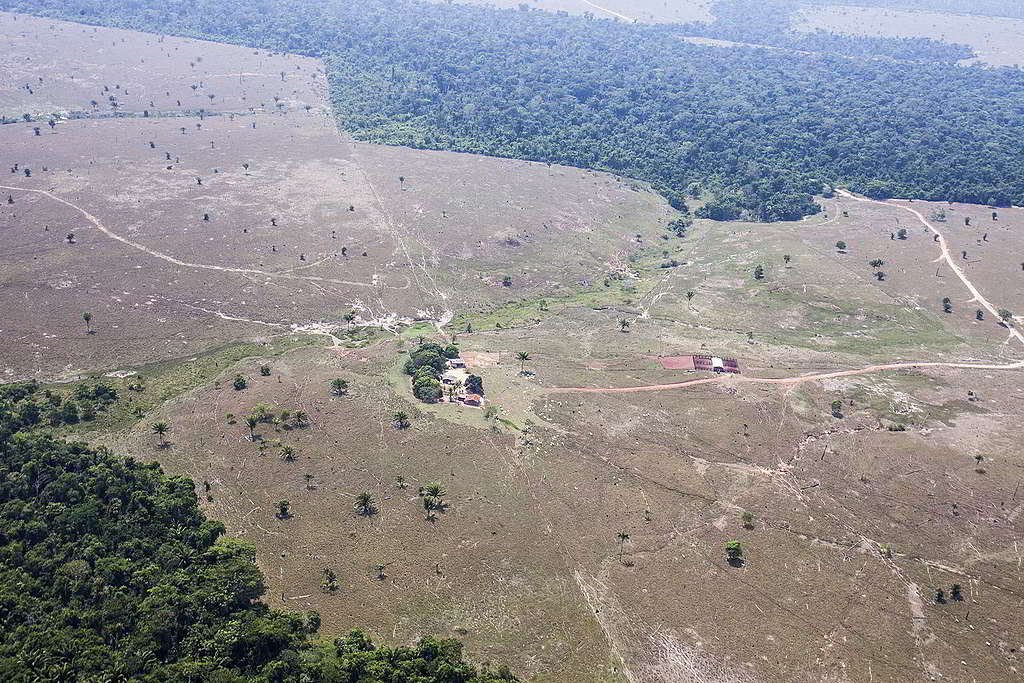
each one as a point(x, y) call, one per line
point(702, 362)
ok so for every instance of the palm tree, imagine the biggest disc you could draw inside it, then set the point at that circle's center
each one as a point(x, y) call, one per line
point(87, 317)
point(428, 506)
point(623, 537)
point(522, 357)
point(339, 387)
point(786, 258)
point(364, 503)
point(287, 453)
point(401, 420)
point(689, 296)
point(251, 423)
point(434, 490)
point(161, 428)
point(284, 509)
point(401, 181)
point(400, 482)
point(300, 417)
point(623, 325)
point(309, 480)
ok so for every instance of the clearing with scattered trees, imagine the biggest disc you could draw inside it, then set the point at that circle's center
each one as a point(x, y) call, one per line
point(203, 266)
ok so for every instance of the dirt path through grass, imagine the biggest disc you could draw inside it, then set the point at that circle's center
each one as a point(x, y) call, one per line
point(178, 262)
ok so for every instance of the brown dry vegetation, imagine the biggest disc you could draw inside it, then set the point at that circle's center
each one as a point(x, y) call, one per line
point(855, 525)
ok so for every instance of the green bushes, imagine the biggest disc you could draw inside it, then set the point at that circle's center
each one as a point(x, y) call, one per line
point(426, 365)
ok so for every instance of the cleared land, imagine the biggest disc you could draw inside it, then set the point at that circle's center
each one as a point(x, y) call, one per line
point(862, 509)
point(996, 40)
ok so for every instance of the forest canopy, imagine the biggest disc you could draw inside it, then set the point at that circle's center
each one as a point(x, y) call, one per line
point(756, 131)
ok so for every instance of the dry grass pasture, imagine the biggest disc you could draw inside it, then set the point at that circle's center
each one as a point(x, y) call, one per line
point(589, 504)
point(996, 40)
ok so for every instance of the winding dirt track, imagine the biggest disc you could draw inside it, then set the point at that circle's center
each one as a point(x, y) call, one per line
point(978, 297)
point(178, 262)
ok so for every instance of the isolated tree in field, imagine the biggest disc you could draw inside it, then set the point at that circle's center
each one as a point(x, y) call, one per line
point(506, 281)
point(759, 272)
point(901, 233)
point(979, 314)
point(623, 325)
point(967, 220)
point(401, 420)
point(364, 504)
point(309, 477)
point(350, 316)
point(239, 383)
point(623, 537)
point(940, 596)
point(252, 422)
point(434, 490)
point(339, 387)
point(1006, 316)
point(428, 507)
point(947, 305)
point(288, 453)
point(300, 418)
point(70, 237)
point(956, 592)
point(284, 509)
point(265, 370)
point(401, 181)
point(400, 482)
point(734, 552)
point(160, 428)
point(748, 519)
point(523, 357)
point(837, 408)
point(841, 245)
point(87, 317)
point(328, 580)
point(10, 199)
point(689, 296)
point(880, 276)
point(786, 258)
point(876, 263)
point(995, 216)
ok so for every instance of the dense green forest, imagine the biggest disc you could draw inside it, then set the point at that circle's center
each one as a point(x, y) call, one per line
point(110, 572)
point(757, 130)
point(989, 8)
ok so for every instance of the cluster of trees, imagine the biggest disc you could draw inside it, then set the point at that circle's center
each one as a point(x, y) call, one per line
point(426, 365)
point(27, 405)
point(760, 130)
point(109, 570)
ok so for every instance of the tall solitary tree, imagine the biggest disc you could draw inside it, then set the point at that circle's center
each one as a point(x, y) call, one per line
point(623, 325)
point(339, 387)
point(251, 422)
point(160, 428)
point(87, 317)
point(522, 357)
point(401, 420)
point(623, 537)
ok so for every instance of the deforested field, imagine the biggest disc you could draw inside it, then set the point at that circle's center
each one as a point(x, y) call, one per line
point(866, 458)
